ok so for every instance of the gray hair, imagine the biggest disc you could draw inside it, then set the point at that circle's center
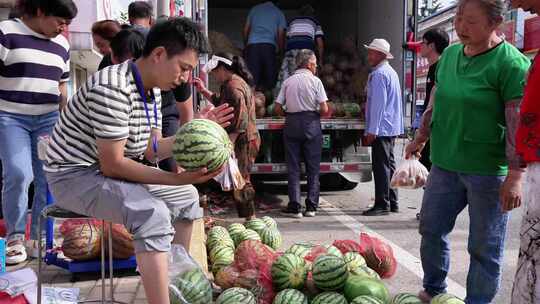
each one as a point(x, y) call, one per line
point(494, 9)
point(303, 57)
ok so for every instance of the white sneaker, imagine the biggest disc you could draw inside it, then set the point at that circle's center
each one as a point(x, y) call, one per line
point(15, 251)
point(31, 247)
point(309, 214)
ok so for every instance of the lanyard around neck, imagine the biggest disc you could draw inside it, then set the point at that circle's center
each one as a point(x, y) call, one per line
point(140, 88)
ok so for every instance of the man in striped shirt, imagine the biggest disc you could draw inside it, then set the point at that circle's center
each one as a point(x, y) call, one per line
point(34, 70)
point(113, 121)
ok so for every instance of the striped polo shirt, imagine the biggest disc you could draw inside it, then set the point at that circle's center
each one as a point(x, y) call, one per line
point(108, 106)
point(302, 32)
point(31, 67)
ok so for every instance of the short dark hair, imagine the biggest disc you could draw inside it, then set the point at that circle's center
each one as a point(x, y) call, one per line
point(106, 29)
point(128, 43)
point(58, 8)
point(176, 35)
point(438, 37)
point(140, 9)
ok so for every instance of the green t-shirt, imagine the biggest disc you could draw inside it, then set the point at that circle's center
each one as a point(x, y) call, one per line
point(468, 122)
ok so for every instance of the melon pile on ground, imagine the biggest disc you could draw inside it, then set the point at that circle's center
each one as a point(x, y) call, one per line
point(249, 270)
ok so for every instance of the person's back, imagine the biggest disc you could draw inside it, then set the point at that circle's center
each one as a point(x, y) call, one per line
point(392, 120)
point(265, 19)
point(303, 90)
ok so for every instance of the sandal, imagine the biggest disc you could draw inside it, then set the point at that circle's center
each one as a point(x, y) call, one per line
point(15, 252)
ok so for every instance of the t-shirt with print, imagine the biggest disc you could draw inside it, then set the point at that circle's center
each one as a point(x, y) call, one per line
point(528, 134)
point(31, 68)
point(107, 106)
point(468, 124)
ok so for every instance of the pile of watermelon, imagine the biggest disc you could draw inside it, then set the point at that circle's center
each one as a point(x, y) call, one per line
point(249, 270)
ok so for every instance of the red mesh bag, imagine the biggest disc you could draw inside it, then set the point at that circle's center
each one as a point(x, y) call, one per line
point(69, 225)
point(226, 277)
point(315, 252)
point(347, 246)
point(251, 254)
point(266, 292)
point(379, 255)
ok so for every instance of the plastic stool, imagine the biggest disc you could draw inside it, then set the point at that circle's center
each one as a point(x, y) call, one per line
point(53, 211)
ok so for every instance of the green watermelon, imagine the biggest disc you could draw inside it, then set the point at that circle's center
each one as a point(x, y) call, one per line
point(290, 296)
point(270, 222)
point(257, 225)
point(300, 249)
point(193, 286)
point(329, 297)
point(366, 300)
point(248, 234)
point(221, 253)
point(221, 263)
point(289, 271)
point(405, 298)
point(235, 230)
point(366, 271)
point(446, 298)
point(351, 109)
point(354, 260)
point(202, 143)
point(271, 237)
point(236, 295)
point(217, 231)
point(357, 285)
point(329, 272)
point(219, 241)
point(330, 249)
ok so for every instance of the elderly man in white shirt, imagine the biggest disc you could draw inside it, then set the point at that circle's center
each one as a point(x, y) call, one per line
point(303, 100)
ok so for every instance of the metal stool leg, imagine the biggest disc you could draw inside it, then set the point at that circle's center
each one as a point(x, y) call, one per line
point(103, 295)
point(40, 260)
point(111, 268)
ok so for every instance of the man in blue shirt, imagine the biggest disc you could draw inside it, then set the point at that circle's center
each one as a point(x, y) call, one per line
point(264, 35)
point(384, 121)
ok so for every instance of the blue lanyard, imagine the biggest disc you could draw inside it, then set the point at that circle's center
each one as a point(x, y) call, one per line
point(140, 88)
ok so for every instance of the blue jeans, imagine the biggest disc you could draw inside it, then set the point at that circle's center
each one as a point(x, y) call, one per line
point(447, 194)
point(20, 165)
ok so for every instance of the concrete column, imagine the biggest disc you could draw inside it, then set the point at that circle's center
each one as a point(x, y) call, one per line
point(162, 7)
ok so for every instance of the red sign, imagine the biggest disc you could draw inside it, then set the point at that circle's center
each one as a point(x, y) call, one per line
point(508, 31)
point(422, 67)
point(531, 40)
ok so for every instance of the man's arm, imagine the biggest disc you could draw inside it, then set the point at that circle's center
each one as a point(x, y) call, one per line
point(323, 108)
point(281, 40)
point(245, 32)
point(376, 107)
point(320, 49)
point(113, 164)
point(63, 95)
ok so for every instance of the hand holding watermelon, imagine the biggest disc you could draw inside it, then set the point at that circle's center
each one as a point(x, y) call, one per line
point(222, 114)
point(197, 177)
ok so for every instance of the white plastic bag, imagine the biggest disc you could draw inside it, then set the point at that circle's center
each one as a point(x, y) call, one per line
point(410, 174)
point(188, 282)
point(231, 178)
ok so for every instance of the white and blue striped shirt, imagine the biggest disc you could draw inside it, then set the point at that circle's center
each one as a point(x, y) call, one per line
point(31, 68)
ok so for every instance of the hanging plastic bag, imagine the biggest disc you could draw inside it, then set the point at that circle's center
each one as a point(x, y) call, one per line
point(188, 282)
point(410, 174)
point(231, 178)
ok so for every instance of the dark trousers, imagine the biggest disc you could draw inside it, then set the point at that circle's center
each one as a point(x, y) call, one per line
point(169, 126)
point(261, 61)
point(303, 140)
point(424, 159)
point(384, 165)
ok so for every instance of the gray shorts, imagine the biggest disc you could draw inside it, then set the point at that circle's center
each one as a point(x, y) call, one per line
point(147, 211)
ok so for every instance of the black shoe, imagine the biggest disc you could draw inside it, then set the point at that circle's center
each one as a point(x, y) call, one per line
point(290, 212)
point(376, 211)
point(394, 209)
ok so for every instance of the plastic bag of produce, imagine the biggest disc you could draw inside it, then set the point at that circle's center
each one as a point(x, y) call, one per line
point(82, 241)
point(231, 178)
point(122, 242)
point(379, 256)
point(347, 246)
point(75, 224)
point(410, 174)
point(188, 283)
point(252, 254)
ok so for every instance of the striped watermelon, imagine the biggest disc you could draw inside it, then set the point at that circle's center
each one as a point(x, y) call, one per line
point(270, 222)
point(354, 260)
point(446, 298)
point(405, 298)
point(217, 231)
point(257, 225)
point(366, 271)
point(300, 249)
point(235, 230)
point(248, 234)
point(289, 271)
point(330, 249)
point(202, 143)
point(221, 253)
point(290, 296)
point(220, 264)
point(193, 286)
point(271, 237)
point(329, 297)
point(357, 285)
point(236, 295)
point(329, 272)
point(366, 300)
point(219, 241)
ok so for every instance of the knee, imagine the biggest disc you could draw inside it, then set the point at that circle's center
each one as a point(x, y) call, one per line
point(17, 175)
point(154, 231)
